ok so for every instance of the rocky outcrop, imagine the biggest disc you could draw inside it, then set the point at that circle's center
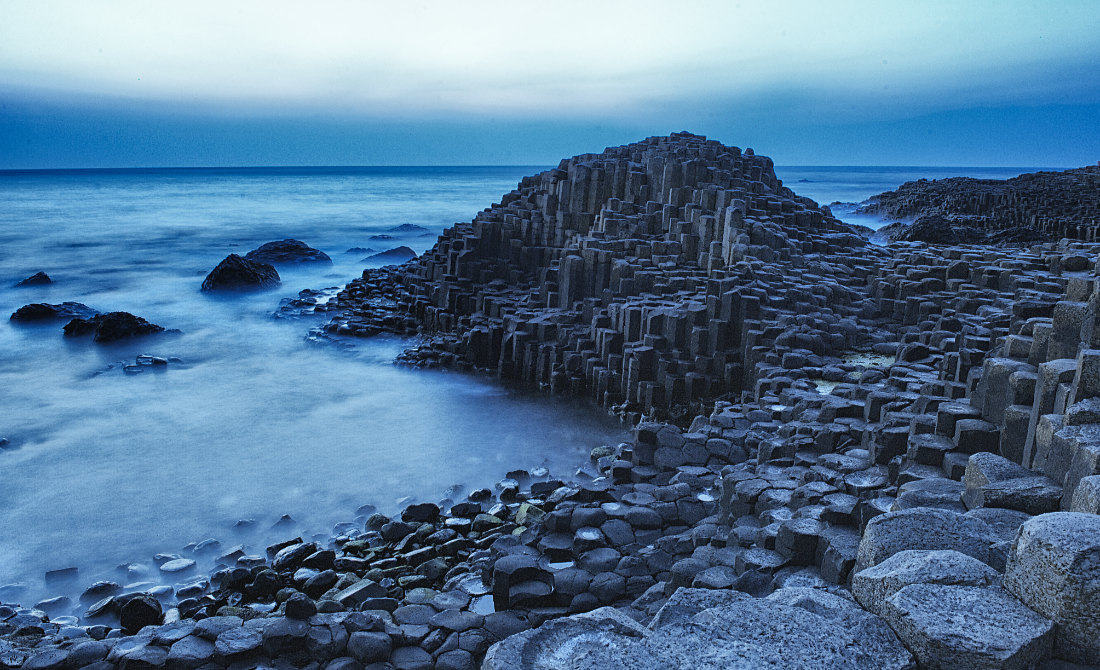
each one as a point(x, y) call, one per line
point(239, 274)
point(394, 256)
point(1040, 206)
point(37, 279)
point(111, 327)
point(644, 276)
point(287, 252)
point(51, 312)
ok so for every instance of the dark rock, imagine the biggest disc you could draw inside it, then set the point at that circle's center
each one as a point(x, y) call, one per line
point(369, 647)
point(37, 279)
point(139, 612)
point(111, 327)
point(393, 256)
point(45, 312)
point(239, 274)
point(421, 513)
point(300, 606)
point(287, 252)
point(408, 228)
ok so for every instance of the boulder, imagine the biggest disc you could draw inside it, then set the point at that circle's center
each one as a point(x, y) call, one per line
point(1086, 497)
point(603, 638)
point(950, 626)
point(287, 252)
point(871, 587)
point(239, 274)
point(792, 628)
point(1054, 568)
point(685, 603)
point(138, 612)
point(995, 481)
point(394, 256)
point(924, 528)
point(111, 327)
point(41, 311)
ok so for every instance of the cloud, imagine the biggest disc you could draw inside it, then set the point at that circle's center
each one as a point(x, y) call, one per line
point(564, 58)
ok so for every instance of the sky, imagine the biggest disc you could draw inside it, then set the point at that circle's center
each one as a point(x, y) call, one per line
point(121, 83)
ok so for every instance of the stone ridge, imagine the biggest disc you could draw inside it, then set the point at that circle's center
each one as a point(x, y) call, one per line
point(645, 277)
point(1055, 205)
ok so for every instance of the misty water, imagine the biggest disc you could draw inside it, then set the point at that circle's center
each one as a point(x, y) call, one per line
point(105, 467)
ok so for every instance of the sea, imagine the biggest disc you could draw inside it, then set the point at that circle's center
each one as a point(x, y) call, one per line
point(252, 433)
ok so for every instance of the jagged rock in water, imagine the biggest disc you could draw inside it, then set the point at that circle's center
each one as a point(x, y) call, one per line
point(239, 274)
point(408, 228)
point(40, 311)
point(391, 256)
point(37, 279)
point(111, 327)
point(287, 252)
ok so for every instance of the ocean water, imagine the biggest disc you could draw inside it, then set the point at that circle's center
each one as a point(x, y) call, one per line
point(104, 467)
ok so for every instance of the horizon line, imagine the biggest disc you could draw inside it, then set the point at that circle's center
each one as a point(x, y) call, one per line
point(7, 170)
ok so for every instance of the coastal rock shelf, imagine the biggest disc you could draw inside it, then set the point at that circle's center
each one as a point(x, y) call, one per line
point(877, 457)
point(650, 276)
point(1049, 205)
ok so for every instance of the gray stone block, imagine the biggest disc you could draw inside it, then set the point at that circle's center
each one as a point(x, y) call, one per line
point(923, 528)
point(995, 481)
point(1086, 497)
point(871, 587)
point(948, 627)
point(1054, 568)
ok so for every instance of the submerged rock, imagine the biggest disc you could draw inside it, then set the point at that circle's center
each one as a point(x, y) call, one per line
point(37, 279)
point(41, 311)
point(240, 274)
point(111, 327)
point(408, 228)
point(287, 252)
point(393, 256)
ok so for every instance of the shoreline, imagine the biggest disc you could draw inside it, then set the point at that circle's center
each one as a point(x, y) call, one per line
point(922, 487)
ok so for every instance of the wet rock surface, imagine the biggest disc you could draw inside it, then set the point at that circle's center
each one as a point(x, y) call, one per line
point(393, 256)
point(287, 252)
point(842, 455)
point(111, 326)
point(51, 312)
point(37, 279)
point(240, 274)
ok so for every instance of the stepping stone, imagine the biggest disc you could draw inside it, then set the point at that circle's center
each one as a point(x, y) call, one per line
point(948, 626)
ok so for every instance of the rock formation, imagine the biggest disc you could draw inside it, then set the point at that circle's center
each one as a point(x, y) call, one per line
point(240, 274)
point(882, 456)
point(1040, 206)
point(111, 326)
point(46, 312)
point(37, 279)
point(394, 256)
point(287, 252)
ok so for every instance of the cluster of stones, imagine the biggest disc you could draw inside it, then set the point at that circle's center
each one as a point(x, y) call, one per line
point(82, 320)
point(933, 501)
point(1055, 205)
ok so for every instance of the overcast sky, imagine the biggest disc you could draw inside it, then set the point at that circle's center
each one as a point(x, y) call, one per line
point(139, 83)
